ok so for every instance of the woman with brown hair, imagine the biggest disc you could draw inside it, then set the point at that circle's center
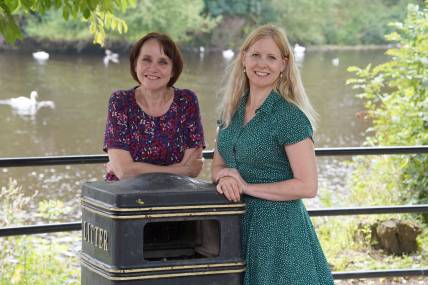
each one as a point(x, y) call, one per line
point(154, 127)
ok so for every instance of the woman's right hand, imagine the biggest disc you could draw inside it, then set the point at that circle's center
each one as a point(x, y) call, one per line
point(234, 173)
point(109, 168)
point(230, 188)
point(194, 163)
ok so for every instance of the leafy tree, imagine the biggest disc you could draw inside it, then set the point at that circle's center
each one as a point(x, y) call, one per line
point(346, 22)
point(180, 19)
point(99, 13)
point(305, 20)
point(52, 27)
point(396, 97)
point(234, 8)
point(212, 22)
point(367, 21)
point(253, 11)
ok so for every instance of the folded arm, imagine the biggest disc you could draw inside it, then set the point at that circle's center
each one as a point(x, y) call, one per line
point(123, 166)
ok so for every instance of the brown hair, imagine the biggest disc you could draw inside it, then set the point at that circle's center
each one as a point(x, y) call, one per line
point(169, 48)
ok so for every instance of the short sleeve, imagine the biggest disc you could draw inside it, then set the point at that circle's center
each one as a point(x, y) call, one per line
point(193, 131)
point(292, 125)
point(116, 133)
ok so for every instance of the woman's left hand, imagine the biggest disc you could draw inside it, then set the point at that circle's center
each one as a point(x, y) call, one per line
point(232, 172)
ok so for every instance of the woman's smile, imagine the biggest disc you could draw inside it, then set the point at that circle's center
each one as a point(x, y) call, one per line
point(151, 77)
point(262, 73)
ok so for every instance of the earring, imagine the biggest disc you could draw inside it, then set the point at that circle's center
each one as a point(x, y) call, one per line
point(280, 75)
point(245, 70)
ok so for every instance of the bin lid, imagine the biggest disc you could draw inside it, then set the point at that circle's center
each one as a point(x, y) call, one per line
point(152, 189)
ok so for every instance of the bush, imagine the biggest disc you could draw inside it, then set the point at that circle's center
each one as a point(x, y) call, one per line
point(34, 259)
point(396, 97)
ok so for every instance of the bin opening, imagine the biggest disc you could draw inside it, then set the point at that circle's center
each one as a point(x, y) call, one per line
point(175, 240)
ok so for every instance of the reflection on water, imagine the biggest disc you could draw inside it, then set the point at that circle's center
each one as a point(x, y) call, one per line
point(80, 87)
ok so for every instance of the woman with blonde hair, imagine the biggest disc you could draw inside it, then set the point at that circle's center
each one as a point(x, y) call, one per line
point(265, 156)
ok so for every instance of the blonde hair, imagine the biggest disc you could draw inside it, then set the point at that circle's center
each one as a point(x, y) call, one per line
point(289, 85)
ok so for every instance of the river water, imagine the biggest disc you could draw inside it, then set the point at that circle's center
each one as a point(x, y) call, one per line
point(80, 86)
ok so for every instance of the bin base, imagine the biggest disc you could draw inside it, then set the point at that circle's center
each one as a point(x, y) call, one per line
point(89, 277)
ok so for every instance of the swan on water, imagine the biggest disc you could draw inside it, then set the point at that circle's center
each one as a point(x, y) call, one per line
point(335, 61)
point(110, 56)
point(228, 54)
point(298, 49)
point(41, 56)
point(27, 105)
point(201, 52)
point(299, 54)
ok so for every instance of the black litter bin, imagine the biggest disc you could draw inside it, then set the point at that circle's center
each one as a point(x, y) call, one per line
point(159, 229)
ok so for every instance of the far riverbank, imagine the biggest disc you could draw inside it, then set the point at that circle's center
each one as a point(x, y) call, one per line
point(88, 47)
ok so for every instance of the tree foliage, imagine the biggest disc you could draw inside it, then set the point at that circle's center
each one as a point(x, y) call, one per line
point(180, 19)
point(345, 22)
point(99, 14)
point(253, 10)
point(396, 97)
point(318, 22)
point(219, 23)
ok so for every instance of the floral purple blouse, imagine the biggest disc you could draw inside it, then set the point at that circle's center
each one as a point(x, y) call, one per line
point(157, 140)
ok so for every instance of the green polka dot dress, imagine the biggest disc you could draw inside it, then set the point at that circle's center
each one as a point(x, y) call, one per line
point(279, 243)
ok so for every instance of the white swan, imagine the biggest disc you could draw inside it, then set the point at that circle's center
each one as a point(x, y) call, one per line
point(299, 53)
point(24, 102)
point(228, 54)
point(335, 61)
point(27, 106)
point(298, 49)
point(110, 56)
point(41, 56)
